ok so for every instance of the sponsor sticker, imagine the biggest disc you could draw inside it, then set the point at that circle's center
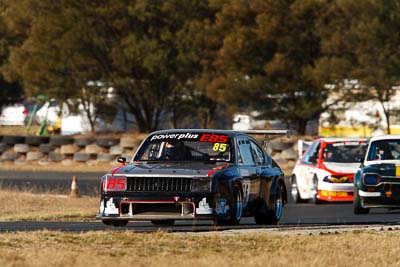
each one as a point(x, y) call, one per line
point(334, 193)
point(176, 136)
point(214, 138)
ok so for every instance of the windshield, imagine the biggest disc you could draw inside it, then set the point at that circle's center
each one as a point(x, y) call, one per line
point(384, 149)
point(186, 147)
point(345, 152)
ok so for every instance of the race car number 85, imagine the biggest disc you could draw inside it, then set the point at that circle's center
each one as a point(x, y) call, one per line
point(219, 147)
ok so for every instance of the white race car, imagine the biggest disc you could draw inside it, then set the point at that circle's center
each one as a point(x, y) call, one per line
point(326, 170)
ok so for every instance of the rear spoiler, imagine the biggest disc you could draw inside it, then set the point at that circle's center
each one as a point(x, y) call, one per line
point(288, 133)
point(266, 133)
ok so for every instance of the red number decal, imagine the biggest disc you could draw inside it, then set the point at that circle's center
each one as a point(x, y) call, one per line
point(213, 138)
point(223, 139)
point(116, 184)
point(204, 138)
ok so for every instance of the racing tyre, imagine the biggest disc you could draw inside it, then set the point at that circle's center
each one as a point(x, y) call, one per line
point(116, 223)
point(107, 141)
point(357, 208)
point(83, 141)
point(315, 199)
point(295, 191)
point(163, 222)
point(36, 140)
point(274, 213)
point(13, 139)
point(60, 140)
point(235, 208)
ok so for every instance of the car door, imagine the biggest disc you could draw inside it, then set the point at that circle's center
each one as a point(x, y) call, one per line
point(306, 169)
point(247, 169)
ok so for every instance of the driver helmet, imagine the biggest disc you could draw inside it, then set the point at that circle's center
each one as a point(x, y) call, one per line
point(172, 150)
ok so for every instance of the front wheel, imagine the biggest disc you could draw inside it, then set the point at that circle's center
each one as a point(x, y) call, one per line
point(116, 223)
point(295, 191)
point(235, 208)
point(315, 184)
point(357, 208)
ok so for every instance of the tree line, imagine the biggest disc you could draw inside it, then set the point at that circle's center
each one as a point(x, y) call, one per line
point(189, 62)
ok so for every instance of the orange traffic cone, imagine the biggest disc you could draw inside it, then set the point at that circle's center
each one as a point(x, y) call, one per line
point(74, 187)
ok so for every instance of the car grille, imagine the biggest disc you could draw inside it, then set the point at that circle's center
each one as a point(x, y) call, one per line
point(164, 184)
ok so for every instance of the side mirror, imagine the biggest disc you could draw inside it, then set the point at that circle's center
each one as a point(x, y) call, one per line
point(121, 160)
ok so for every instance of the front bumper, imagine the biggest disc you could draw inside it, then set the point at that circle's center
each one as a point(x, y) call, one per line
point(338, 192)
point(162, 207)
point(383, 196)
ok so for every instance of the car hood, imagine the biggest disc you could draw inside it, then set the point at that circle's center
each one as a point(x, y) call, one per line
point(384, 169)
point(166, 169)
point(342, 167)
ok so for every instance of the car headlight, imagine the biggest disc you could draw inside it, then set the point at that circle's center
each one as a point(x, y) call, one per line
point(372, 179)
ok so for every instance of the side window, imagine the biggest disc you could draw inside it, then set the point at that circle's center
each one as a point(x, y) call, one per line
point(245, 153)
point(258, 153)
point(311, 155)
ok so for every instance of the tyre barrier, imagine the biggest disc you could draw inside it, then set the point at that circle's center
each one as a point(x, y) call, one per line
point(36, 140)
point(34, 155)
point(107, 142)
point(81, 157)
point(13, 139)
point(3, 147)
point(21, 148)
point(69, 150)
point(279, 146)
point(59, 140)
point(55, 156)
point(83, 141)
point(46, 148)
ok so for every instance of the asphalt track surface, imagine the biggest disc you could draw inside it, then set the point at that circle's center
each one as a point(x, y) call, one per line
point(305, 215)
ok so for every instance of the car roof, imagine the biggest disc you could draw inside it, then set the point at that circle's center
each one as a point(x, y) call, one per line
point(385, 137)
point(217, 131)
point(340, 139)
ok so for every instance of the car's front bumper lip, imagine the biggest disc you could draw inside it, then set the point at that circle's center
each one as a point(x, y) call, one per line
point(345, 187)
point(160, 207)
point(369, 194)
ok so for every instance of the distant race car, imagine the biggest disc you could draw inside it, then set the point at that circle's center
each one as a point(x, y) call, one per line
point(190, 174)
point(377, 182)
point(325, 172)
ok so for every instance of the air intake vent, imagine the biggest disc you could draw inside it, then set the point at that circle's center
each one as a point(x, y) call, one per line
point(163, 184)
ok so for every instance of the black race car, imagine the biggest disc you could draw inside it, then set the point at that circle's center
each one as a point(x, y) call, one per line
point(195, 174)
point(377, 182)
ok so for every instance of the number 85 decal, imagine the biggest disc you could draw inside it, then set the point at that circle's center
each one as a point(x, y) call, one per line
point(220, 147)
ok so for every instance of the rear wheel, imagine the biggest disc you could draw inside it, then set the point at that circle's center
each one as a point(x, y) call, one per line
point(271, 215)
point(116, 223)
point(295, 191)
point(357, 208)
point(163, 222)
point(235, 208)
